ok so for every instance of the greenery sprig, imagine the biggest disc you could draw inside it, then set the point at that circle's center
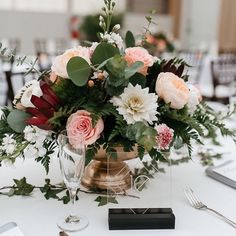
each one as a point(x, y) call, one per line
point(108, 10)
point(56, 191)
point(9, 55)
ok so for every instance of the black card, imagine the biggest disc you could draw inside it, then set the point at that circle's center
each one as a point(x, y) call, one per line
point(141, 218)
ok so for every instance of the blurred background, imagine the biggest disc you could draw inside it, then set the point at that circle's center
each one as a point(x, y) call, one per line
point(202, 32)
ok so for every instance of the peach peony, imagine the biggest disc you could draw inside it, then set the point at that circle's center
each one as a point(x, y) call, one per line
point(195, 98)
point(80, 130)
point(172, 89)
point(139, 54)
point(60, 62)
point(53, 77)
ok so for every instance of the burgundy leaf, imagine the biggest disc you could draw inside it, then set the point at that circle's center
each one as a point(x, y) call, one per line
point(180, 70)
point(40, 122)
point(40, 103)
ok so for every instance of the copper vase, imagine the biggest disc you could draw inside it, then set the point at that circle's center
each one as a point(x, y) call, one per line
point(105, 173)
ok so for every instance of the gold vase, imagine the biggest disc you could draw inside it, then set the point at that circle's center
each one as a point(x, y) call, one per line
point(105, 173)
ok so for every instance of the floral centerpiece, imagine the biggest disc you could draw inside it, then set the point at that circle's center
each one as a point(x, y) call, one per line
point(111, 94)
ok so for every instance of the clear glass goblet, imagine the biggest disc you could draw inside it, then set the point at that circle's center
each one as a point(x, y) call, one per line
point(72, 163)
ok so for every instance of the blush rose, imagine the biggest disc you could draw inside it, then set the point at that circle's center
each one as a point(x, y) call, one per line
point(80, 130)
point(139, 54)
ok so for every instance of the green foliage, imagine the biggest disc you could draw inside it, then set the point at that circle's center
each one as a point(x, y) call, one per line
point(210, 120)
point(78, 70)
point(20, 187)
point(59, 119)
point(129, 39)
point(91, 151)
point(103, 200)
point(63, 89)
point(45, 160)
point(16, 120)
point(10, 55)
point(103, 52)
point(142, 134)
point(118, 128)
point(4, 126)
point(119, 75)
point(138, 78)
point(141, 151)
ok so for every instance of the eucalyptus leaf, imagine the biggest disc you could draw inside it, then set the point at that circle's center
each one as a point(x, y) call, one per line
point(16, 120)
point(103, 52)
point(117, 66)
point(131, 70)
point(78, 70)
point(129, 39)
point(142, 134)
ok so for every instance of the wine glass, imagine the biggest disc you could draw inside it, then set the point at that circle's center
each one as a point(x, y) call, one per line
point(72, 163)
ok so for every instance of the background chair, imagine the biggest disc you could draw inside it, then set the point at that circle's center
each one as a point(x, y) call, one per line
point(223, 72)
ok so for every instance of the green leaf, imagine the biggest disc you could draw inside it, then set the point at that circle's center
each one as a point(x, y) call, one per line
point(129, 39)
point(78, 70)
point(16, 120)
point(114, 91)
point(138, 78)
point(105, 200)
point(103, 52)
point(142, 134)
point(23, 188)
point(131, 70)
point(117, 66)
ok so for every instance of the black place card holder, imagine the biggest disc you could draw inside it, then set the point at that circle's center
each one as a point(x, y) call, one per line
point(140, 218)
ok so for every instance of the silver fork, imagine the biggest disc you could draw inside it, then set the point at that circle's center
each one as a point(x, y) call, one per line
point(196, 203)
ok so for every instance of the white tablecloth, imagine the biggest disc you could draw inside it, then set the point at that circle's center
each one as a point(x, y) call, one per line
point(37, 216)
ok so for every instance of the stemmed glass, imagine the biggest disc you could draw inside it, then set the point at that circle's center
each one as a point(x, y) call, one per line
point(72, 163)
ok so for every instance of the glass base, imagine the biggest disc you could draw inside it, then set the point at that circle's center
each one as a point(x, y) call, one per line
point(72, 223)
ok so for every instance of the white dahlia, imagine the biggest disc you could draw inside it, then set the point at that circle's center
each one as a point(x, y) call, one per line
point(136, 104)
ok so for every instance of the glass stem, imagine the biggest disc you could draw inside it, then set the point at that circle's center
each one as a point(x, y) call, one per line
point(72, 193)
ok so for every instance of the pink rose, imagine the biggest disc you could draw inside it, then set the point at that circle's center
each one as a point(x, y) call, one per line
point(172, 89)
point(80, 130)
point(164, 136)
point(60, 62)
point(139, 54)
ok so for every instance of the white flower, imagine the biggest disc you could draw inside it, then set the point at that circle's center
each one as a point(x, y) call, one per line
point(117, 40)
point(42, 152)
point(30, 152)
point(136, 104)
point(8, 144)
point(194, 98)
point(116, 28)
point(25, 93)
point(10, 148)
point(8, 139)
point(35, 135)
point(113, 38)
point(1, 114)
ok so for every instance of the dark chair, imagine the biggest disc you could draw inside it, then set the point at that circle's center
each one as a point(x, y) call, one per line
point(194, 58)
point(223, 76)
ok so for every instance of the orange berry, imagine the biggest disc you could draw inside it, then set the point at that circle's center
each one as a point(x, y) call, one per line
point(90, 83)
point(100, 76)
